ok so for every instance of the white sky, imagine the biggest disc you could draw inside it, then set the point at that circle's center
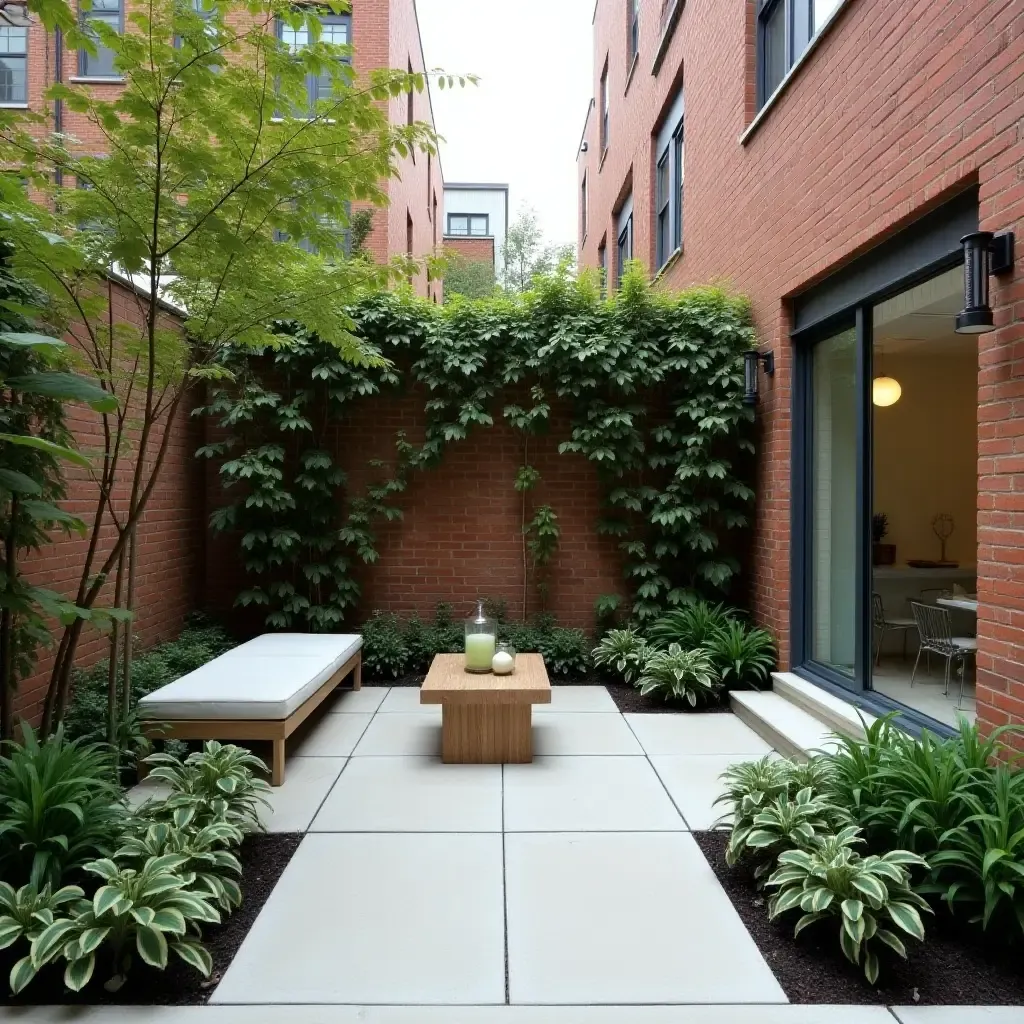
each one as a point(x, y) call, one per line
point(522, 123)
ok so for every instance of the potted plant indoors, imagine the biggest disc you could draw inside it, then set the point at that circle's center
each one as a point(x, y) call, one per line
point(881, 554)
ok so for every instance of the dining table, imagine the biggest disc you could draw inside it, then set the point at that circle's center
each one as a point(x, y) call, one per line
point(964, 602)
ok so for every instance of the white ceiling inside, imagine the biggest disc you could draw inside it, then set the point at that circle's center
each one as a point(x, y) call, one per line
point(924, 316)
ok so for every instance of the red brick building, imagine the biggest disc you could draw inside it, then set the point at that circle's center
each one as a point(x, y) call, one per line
point(825, 157)
point(384, 34)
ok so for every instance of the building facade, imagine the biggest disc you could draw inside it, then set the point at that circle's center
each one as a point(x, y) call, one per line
point(825, 158)
point(383, 33)
point(476, 221)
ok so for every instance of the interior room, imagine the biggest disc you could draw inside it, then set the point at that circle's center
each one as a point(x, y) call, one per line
point(924, 527)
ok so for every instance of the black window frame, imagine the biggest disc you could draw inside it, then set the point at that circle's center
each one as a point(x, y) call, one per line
point(469, 232)
point(602, 265)
point(313, 82)
point(583, 207)
point(664, 220)
point(23, 57)
point(623, 243)
point(96, 14)
point(668, 204)
point(797, 31)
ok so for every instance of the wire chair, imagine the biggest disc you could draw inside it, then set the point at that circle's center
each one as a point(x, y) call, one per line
point(936, 637)
point(881, 622)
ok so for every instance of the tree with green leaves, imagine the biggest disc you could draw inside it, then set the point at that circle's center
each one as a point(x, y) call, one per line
point(525, 255)
point(233, 155)
point(34, 446)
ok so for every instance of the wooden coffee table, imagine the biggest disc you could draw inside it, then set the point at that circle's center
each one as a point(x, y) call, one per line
point(486, 719)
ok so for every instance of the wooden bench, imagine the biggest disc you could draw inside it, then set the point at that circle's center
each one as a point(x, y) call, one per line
point(486, 719)
point(261, 690)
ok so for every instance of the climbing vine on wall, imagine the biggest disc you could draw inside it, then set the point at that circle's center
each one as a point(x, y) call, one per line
point(653, 384)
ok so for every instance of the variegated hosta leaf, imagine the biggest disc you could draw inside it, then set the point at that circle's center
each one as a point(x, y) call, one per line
point(906, 917)
point(852, 909)
point(22, 973)
point(78, 972)
point(892, 941)
point(195, 955)
point(152, 946)
point(871, 967)
point(850, 944)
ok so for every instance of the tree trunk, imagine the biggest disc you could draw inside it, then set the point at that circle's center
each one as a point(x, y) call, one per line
point(7, 679)
point(115, 646)
point(129, 631)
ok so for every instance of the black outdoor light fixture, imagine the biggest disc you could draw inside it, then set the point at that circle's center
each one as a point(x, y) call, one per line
point(984, 254)
point(751, 361)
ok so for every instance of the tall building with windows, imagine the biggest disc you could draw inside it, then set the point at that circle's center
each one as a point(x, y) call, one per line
point(383, 33)
point(476, 221)
point(855, 167)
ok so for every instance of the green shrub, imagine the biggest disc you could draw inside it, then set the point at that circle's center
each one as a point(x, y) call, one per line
point(59, 808)
point(200, 641)
point(215, 784)
point(151, 912)
point(385, 651)
point(744, 655)
point(693, 625)
point(26, 912)
point(623, 651)
point(678, 674)
point(566, 652)
point(866, 894)
point(979, 865)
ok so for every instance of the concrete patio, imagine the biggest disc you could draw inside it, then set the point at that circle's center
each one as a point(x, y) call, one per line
point(526, 894)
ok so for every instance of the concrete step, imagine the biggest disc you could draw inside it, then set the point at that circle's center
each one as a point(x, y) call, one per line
point(789, 729)
point(838, 714)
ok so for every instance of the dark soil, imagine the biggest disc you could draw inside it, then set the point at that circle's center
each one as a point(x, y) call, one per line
point(264, 858)
point(952, 967)
point(627, 699)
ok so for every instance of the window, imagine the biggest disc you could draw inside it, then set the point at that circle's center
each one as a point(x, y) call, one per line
point(434, 219)
point(634, 29)
point(668, 184)
point(409, 113)
point(13, 64)
point(101, 63)
point(604, 108)
point(334, 30)
point(430, 181)
point(602, 265)
point(624, 244)
point(583, 205)
point(408, 241)
point(784, 30)
point(476, 224)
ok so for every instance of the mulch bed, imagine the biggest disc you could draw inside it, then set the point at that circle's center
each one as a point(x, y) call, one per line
point(954, 966)
point(627, 699)
point(264, 858)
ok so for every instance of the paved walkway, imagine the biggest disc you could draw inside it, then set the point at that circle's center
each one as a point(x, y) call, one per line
point(567, 890)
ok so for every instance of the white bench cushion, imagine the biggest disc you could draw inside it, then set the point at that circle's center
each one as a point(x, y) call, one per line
point(267, 678)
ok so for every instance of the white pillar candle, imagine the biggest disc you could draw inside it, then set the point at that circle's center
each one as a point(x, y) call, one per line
point(479, 652)
point(503, 663)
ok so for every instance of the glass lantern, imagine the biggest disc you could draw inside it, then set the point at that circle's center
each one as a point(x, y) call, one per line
point(481, 633)
point(504, 661)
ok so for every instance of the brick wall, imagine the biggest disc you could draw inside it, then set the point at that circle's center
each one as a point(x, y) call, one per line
point(475, 250)
point(171, 537)
point(902, 104)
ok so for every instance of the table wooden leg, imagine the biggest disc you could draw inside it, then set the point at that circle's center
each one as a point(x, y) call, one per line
point(486, 734)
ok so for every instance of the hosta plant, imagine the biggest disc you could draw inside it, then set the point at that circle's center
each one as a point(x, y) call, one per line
point(26, 912)
point(210, 864)
point(781, 825)
point(743, 655)
point(815, 774)
point(216, 784)
point(623, 651)
point(59, 808)
point(979, 865)
point(151, 913)
point(749, 786)
point(868, 896)
point(676, 674)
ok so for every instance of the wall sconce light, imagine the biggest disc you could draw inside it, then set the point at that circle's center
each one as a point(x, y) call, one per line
point(984, 254)
point(751, 361)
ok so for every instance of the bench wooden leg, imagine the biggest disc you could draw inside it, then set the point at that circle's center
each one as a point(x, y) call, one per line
point(277, 763)
point(357, 675)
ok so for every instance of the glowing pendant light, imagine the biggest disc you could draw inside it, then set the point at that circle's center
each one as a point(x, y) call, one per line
point(885, 391)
